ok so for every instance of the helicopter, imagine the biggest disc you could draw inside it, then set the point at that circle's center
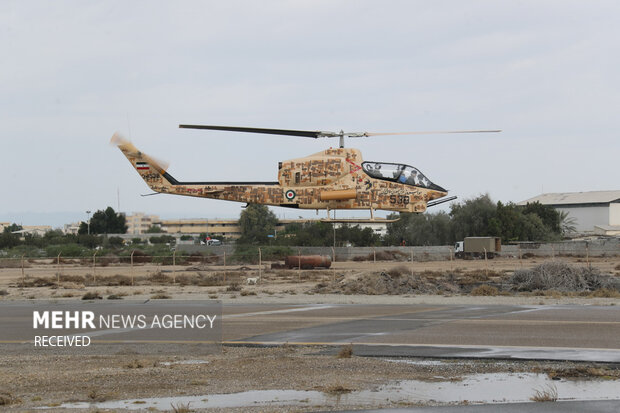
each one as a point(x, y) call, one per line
point(335, 178)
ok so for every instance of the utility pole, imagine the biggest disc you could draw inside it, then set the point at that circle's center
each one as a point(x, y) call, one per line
point(88, 223)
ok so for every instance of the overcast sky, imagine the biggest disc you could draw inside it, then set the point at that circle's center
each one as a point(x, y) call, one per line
point(74, 72)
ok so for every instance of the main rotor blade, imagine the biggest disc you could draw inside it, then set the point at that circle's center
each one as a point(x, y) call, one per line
point(304, 133)
point(424, 133)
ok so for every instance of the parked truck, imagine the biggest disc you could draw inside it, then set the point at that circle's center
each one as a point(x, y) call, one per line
point(477, 247)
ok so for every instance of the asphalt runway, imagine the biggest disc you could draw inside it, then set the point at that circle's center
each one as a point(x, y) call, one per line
point(566, 332)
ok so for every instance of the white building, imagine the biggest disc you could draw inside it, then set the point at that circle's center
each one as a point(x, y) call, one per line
point(595, 211)
point(72, 228)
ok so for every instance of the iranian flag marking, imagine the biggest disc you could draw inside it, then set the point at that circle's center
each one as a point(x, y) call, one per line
point(142, 166)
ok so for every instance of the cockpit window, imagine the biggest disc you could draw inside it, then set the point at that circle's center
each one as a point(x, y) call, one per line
point(400, 173)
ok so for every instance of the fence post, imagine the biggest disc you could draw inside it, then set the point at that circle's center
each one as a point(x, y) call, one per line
point(58, 273)
point(374, 255)
point(299, 263)
point(224, 265)
point(260, 265)
point(486, 264)
point(94, 265)
point(23, 273)
point(587, 253)
point(412, 261)
point(174, 264)
point(552, 251)
point(333, 266)
point(520, 256)
point(132, 266)
point(451, 259)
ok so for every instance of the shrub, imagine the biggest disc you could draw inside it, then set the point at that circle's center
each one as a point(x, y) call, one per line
point(234, 286)
point(91, 295)
point(345, 352)
point(485, 290)
point(67, 250)
point(398, 271)
point(560, 276)
point(159, 278)
point(545, 394)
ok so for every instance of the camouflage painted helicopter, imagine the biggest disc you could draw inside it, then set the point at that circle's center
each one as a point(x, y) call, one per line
point(331, 179)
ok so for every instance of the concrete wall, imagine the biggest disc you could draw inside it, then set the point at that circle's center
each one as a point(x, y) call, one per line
point(595, 248)
point(614, 214)
point(588, 217)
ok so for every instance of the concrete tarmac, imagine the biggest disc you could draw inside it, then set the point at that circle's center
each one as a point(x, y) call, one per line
point(567, 332)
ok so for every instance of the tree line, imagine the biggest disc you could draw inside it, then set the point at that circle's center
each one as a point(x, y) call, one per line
point(479, 216)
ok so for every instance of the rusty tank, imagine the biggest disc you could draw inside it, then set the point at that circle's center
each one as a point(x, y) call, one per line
point(308, 262)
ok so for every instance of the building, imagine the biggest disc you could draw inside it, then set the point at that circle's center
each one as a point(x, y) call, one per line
point(213, 227)
point(227, 228)
point(139, 223)
point(39, 230)
point(71, 229)
point(594, 212)
point(230, 230)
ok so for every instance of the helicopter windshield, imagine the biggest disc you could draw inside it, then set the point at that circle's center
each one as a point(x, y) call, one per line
point(400, 173)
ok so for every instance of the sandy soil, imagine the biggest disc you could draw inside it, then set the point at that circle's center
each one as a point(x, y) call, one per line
point(284, 286)
point(35, 381)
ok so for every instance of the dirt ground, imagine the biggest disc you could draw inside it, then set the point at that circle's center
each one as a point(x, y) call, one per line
point(29, 381)
point(452, 281)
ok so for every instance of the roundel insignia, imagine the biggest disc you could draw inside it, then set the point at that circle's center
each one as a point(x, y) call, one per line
point(290, 194)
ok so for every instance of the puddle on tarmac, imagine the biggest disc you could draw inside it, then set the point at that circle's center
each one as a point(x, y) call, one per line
point(418, 362)
point(480, 388)
point(170, 363)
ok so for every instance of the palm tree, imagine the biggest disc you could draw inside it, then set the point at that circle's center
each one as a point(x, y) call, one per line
point(567, 223)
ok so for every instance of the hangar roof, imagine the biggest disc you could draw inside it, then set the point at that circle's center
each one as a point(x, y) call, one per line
point(572, 198)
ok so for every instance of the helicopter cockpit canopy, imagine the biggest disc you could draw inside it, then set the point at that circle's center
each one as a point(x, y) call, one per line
point(399, 173)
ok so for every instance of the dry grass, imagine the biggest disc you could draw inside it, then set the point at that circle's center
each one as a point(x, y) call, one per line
point(180, 407)
point(234, 286)
point(92, 295)
point(38, 282)
point(398, 271)
point(561, 276)
point(13, 263)
point(6, 399)
point(382, 256)
point(345, 352)
point(135, 364)
point(336, 389)
point(585, 372)
point(547, 393)
point(605, 293)
point(485, 290)
point(160, 296)
point(94, 395)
